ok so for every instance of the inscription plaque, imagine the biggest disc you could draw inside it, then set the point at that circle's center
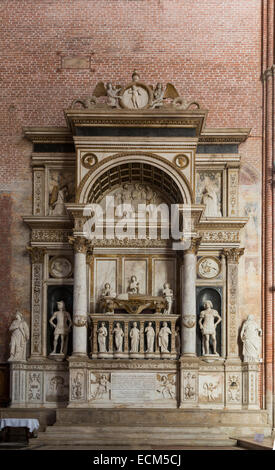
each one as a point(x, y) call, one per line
point(132, 387)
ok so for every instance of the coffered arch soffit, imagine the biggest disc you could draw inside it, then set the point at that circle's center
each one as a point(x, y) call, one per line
point(131, 167)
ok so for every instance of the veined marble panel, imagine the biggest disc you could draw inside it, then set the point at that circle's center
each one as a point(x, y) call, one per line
point(105, 271)
point(163, 271)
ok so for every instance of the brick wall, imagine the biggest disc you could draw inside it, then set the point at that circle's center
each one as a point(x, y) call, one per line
point(210, 50)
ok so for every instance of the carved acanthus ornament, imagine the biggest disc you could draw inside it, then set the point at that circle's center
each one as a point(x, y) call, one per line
point(194, 245)
point(37, 254)
point(233, 254)
point(80, 320)
point(80, 244)
point(189, 321)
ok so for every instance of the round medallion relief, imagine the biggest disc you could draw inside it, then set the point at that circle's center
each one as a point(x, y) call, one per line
point(89, 160)
point(181, 161)
point(209, 267)
point(60, 267)
point(135, 96)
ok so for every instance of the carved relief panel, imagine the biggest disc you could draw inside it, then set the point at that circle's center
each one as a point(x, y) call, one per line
point(209, 191)
point(60, 189)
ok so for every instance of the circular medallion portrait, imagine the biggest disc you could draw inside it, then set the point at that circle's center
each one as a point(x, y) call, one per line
point(209, 267)
point(60, 267)
point(181, 161)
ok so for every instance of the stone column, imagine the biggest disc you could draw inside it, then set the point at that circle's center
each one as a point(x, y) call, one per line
point(232, 255)
point(81, 246)
point(188, 282)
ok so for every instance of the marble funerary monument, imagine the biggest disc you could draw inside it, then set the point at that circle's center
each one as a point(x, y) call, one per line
point(133, 322)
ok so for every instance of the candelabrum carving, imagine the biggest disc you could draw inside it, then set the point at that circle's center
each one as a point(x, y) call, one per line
point(168, 296)
point(208, 327)
point(62, 323)
point(19, 336)
point(250, 336)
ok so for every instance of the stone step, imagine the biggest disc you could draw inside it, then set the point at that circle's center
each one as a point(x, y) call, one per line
point(131, 442)
point(194, 430)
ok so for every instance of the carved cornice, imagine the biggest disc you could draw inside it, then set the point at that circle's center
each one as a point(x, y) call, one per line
point(48, 134)
point(36, 254)
point(222, 223)
point(49, 222)
point(233, 254)
point(224, 136)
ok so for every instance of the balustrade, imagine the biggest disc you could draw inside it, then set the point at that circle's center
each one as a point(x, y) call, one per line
point(116, 341)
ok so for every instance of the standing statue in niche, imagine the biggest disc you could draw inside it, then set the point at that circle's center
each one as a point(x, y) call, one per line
point(164, 338)
point(133, 286)
point(118, 331)
point(150, 337)
point(208, 327)
point(210, 199)
point(101, 337)
point(250, 336)
point(168, 295)
point(61, 328)
point(19, 337)
point(134, 335)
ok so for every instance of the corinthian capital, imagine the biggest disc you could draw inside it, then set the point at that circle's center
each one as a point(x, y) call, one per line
point(80, 244)
point(194, 245)
point(36, 253)
point(233, 254)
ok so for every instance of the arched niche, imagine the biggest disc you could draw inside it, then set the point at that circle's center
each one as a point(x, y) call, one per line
point(137, 168)
point(54, 295)
point(215, 295)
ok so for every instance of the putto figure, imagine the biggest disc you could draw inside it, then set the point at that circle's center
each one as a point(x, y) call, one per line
point(250, 336)
point(208, 327)
point(61, 327)
point(168, 295)
point(19, 337)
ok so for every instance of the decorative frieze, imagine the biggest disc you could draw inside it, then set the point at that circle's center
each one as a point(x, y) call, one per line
point(224, 236)
point(36, 320)
point(50, 236)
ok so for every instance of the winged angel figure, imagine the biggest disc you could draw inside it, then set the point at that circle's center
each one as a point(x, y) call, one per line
point(160, 95)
